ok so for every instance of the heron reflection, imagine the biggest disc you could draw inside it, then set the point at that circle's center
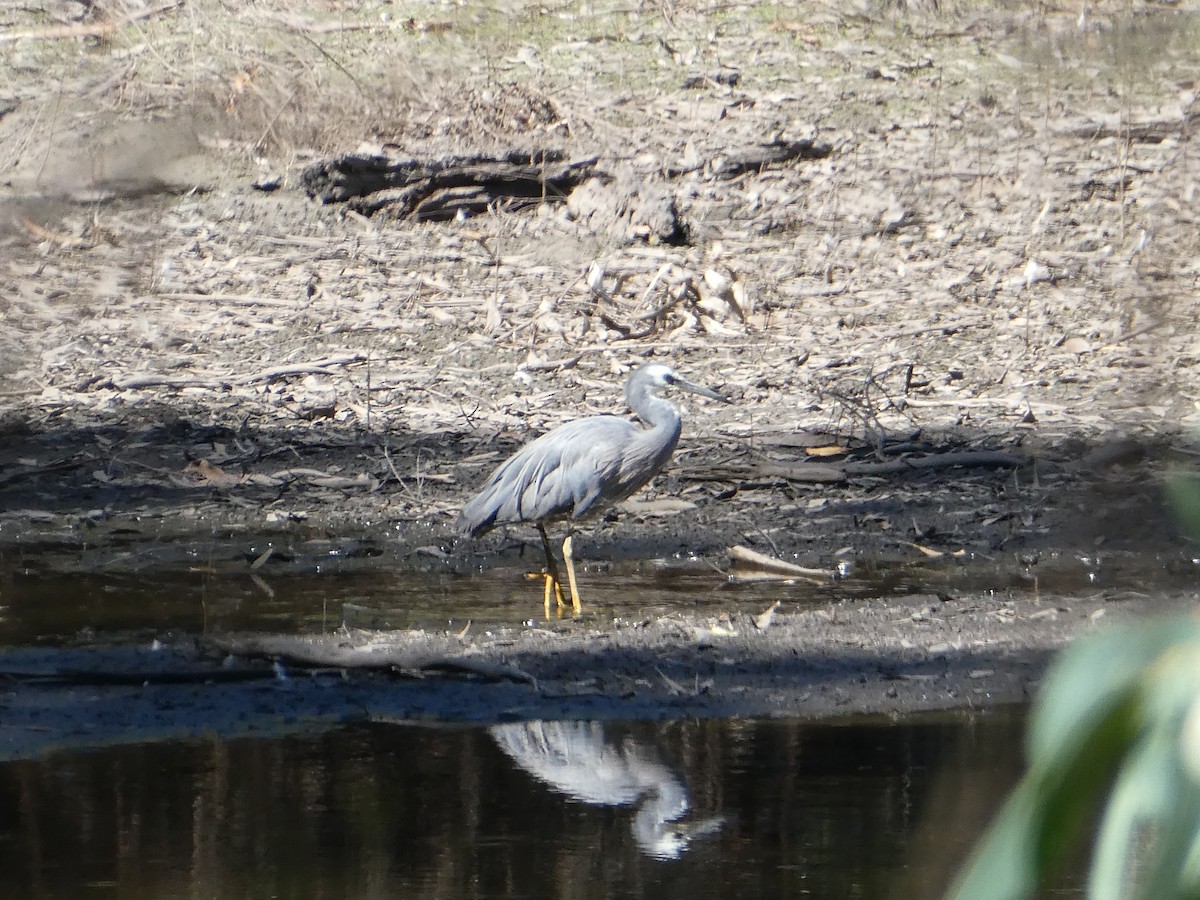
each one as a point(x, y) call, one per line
point(578, 760)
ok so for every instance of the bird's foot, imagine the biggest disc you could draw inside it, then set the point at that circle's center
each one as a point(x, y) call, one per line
point(552, 589)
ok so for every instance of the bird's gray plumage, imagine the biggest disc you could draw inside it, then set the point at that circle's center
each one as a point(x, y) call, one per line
point(587, 464)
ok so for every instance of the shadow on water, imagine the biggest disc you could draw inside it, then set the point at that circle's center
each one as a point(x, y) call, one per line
point(735, 808)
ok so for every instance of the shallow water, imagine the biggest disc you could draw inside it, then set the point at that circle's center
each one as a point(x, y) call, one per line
point(679, 809)
point(871, 808)
point(46, 606)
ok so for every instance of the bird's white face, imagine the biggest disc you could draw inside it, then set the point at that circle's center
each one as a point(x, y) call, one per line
point(660, 375)
point(653, 377)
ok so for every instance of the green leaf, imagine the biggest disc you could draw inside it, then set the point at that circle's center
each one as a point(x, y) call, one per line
point(1190, 873)
point(1183, 493)
point(1090, 677)
point(1165, 873)
point(1103, 697)
point(1002, 867)
point(1042, 819)
point(1142, 799)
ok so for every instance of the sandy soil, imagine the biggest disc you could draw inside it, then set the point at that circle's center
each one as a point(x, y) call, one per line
point(999, 254)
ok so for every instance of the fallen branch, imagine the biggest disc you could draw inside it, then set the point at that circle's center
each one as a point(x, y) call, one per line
point(238, 300)
point(750, 565)
point(757, 158)
point(946, 328)
point(318, 367)
point(832, 473)
point(137, 382)
point(961, 459)
point(98, 29)
point(807, 472)
point(63, 240)
point(1150, 130)
point(390, 652)
point(481, 668)
point(439, 190)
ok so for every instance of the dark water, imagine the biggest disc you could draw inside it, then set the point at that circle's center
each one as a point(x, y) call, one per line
point(692, 809)
point(716, 809)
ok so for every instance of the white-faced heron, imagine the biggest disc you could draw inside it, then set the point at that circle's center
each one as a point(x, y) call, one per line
point(583, 466)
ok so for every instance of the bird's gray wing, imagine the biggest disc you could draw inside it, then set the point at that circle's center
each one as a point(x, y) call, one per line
point(562, 473)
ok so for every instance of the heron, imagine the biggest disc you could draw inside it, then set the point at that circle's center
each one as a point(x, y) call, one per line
point(581, 467)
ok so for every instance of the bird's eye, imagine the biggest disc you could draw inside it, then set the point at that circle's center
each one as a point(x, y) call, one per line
point(668, 378)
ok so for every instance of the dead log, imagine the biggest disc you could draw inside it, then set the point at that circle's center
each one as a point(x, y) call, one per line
point(627, 205)
point(765, 471)
point(411, 654)
point(439, 190)
point(756, 158)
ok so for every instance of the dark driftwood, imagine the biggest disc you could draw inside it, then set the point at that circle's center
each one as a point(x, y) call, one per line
point(439, 190)
point(963, 459)
point(630, 206)
point(826, 473)
point(757, 158)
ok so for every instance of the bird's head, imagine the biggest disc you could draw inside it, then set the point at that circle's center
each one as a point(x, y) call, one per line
point(657, 376)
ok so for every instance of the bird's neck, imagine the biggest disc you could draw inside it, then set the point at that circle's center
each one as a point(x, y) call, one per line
point(659, 439)
point(657, 413)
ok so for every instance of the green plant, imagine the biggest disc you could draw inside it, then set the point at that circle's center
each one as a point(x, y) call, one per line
point(1183, 492)
point(1115, 729)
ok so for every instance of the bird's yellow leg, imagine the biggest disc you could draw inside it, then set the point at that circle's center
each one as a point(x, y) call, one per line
point(569, 559)
point(551, 588)
point(551, 574)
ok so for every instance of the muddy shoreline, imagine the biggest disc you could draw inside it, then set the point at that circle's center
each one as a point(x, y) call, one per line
point(894, 657)
point(206, 376)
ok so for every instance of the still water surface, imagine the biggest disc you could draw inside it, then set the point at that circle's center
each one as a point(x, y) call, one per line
point(869, 808)
point(51, 607)
point(694, 809)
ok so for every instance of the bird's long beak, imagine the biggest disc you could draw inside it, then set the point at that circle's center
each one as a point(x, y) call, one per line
point(699, 389)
